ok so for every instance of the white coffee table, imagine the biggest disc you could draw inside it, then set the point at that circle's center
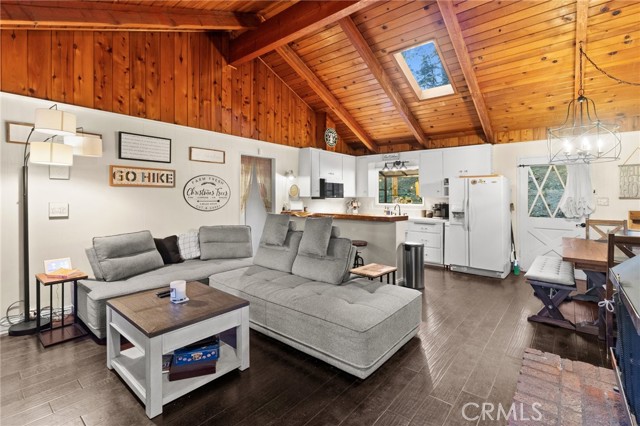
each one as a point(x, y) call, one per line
point(155, 326)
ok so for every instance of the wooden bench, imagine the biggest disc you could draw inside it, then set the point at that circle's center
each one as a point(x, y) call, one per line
point(552, 280)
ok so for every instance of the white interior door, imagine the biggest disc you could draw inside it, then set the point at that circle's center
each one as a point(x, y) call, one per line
point(541, 224)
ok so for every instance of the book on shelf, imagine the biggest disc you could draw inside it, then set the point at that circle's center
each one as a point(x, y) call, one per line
point(166, 363)
point(62, 273)
point(186, 371)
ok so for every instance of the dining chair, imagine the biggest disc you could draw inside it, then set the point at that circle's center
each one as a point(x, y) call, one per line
point(612, 227)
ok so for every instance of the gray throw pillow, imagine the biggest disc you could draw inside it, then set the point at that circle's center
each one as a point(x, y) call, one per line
point(275, 229)
point(95, 265)
point(316, 235)
point(125, 255)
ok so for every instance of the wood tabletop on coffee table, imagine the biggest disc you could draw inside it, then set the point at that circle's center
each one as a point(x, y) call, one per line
point(153, 315)
point(373, 270)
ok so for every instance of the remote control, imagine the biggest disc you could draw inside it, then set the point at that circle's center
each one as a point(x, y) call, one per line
point(165, 293)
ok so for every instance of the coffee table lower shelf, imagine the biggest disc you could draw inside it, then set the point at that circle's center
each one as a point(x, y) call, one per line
point(130, 365)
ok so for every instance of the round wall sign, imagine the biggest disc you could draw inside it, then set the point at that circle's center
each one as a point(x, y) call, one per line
point(206, 193)
point(331, 137)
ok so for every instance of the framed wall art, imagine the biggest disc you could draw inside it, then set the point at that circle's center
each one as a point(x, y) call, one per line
point(206, 155)
point(132, 146)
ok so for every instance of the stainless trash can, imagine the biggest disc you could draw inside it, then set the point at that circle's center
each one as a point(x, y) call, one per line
point(413, 262)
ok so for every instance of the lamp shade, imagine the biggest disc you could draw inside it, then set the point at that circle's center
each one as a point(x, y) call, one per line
point(85, 145)
point(55, 122)
point(53, 154)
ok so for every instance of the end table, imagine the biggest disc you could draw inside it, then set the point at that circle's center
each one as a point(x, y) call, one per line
point(63, 332)
point(375, 270)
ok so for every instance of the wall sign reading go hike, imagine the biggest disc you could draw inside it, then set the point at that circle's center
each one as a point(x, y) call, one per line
point(206, 193)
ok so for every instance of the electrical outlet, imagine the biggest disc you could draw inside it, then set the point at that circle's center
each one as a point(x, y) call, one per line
point(602, 201)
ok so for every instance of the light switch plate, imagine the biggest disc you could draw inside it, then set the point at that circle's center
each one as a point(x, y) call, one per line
point(602, 201)
point(58, 210)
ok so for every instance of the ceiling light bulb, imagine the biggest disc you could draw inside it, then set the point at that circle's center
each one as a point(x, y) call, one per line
point(585, 145)
point(567, 147)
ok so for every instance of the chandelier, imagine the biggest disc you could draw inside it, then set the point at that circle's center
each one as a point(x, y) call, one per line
point(583, 138)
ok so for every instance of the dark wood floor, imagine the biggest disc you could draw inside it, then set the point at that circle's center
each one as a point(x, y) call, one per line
point(468, 349)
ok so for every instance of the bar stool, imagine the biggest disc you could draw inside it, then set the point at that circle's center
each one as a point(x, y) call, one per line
point(358, 261)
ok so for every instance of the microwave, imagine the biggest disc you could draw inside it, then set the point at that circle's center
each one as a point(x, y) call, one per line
point(330, 190)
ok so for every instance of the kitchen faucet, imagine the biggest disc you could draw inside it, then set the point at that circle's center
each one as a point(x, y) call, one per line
point(399, 210)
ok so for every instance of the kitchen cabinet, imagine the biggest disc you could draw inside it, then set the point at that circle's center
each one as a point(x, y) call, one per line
point(331, 166)
point(429, 232)
point(431, 174)
point(349, 175)
point(467, 161)
point(438, 166)
point(362, 177)
point(315, 164)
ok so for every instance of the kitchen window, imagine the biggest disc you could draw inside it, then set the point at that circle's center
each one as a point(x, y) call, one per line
point(399, 186)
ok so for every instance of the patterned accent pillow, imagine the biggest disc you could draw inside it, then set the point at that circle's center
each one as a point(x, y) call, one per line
point(189, 245)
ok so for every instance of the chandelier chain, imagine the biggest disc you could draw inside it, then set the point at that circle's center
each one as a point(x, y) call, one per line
point(631, 83)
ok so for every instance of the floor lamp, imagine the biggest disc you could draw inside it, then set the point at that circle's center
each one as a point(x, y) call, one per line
point(56, 123)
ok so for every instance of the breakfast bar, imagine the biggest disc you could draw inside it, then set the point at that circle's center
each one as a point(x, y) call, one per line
point(384, 234)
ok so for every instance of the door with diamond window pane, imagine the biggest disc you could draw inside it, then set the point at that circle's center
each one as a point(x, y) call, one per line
point(541, 223)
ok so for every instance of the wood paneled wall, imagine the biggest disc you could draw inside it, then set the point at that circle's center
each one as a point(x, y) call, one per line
point(179, 78)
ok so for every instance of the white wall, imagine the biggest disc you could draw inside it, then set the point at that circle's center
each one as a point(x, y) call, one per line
point(604, 176)
point(97, 209)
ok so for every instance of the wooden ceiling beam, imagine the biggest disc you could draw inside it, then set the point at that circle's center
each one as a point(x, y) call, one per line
point(293, 23)
point(78, 15)
point(455, 34)
point(361, 45)
point(314, 82)
point(582, 14)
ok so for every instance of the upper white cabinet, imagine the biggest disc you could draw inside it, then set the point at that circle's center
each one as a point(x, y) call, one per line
point(362, 177)
point(349, 175)
point(437, 165)
point(331, 166)
point(431, 174)
point(315, 164)
point(467, 161)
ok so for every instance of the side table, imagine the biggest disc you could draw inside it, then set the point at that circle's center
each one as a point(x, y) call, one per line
point(375, 270)
point(63, 332)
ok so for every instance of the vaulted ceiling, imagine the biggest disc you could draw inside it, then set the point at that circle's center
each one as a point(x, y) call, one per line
point(513, 64)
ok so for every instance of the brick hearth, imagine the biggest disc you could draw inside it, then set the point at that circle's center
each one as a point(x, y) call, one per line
point(570, 393)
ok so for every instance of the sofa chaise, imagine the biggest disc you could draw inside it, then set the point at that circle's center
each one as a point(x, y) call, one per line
point(307, 300)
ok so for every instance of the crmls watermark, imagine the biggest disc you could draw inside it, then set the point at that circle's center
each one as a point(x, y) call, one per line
point(489, 411)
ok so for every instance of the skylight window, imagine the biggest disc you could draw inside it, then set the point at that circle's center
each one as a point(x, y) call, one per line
point(424, 70)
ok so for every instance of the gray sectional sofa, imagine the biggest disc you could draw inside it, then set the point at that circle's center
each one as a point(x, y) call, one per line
point(129, 263)
point(300, 292)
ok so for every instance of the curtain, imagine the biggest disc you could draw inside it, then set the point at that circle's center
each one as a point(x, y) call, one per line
point(263, 174)
point(246, 167)
point(577, 200)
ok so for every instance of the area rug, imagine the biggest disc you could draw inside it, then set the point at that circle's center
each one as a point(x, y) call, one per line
point(557, 391)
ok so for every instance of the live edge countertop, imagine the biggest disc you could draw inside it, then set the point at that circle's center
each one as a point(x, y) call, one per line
point(347, 216)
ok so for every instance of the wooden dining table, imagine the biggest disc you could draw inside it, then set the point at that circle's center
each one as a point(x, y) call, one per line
point(591, 257)
point(588, 255)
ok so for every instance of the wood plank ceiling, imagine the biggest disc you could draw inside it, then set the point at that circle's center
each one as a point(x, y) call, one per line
point(512, 63)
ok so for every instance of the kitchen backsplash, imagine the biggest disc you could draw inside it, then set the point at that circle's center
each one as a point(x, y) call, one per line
point(367, 205)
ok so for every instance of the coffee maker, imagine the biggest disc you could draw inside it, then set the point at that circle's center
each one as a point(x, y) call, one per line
point(441, 210)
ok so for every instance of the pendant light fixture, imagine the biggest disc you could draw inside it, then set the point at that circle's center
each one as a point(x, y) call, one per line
point(583, 137)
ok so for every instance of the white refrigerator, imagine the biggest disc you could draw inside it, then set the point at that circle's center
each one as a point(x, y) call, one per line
point(479, 234)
